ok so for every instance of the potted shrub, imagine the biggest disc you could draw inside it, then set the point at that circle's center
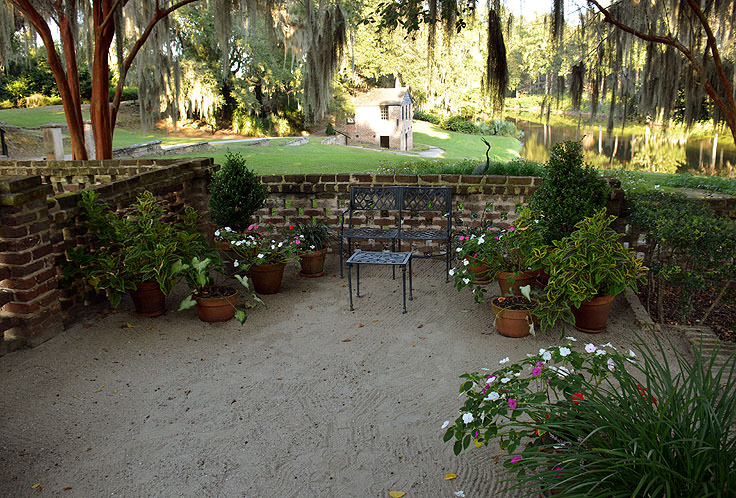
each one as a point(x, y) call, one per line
point(214, 303)
point(135, 251)
point(262, 251)
point(513, 314)
point(316, 237)
point(587, 270)
point(571, 191)
point(235, 194)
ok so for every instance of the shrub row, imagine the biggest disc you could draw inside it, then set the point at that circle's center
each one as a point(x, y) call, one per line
point(461, 124)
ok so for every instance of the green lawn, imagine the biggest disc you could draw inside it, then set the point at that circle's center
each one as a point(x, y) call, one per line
point(461, 146)
point(33, 118)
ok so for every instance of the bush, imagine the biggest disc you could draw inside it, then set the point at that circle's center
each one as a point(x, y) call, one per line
point(6, 104)
point(235, 194)
point(516, 167)
point(129, 93)
point(571, 191)
point(38, 100)
point(459, 124)
point(330, 129)
point(427, 116)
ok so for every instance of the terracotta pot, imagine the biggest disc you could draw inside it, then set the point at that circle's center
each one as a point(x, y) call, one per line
point(217, 309)
point(519, 280)
point(511, 323)
point(148, 299)
point(267, 278)
point(592, 315)
point(313, 263)
point(479, 272)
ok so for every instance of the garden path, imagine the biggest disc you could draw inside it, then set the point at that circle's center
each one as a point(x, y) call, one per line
point(306, 400)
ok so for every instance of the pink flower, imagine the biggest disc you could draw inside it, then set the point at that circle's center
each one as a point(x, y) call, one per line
point(512, 403)
point(298, 242)
point(511, 228)
point(475, 255)
point(461, 238)
point(515, 459)
point(250, 228)
point(536, 371)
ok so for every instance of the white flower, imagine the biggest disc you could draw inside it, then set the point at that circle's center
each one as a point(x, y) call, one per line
point(481, 240)
point(281, 244)
point(466, 280)
point(505, 360)
point(228, 229)
point(466, 262)
point(311, 247)
point(492, 396)
point(517, 374)
point(564, 351)
point(505, 380)
point(561, 371)
point(611, 364)
point(445, 424)
point(571, 338)
point(452, 271)
point(458, 249)
point(260, 256)
point(236, 263)
point(607, 345)
point(542, 350)
point(217, 233)
point(547, 356)
point(273, 247)
point(590, 348)
point(632, 354)
point(467, 418)
point(600, 352)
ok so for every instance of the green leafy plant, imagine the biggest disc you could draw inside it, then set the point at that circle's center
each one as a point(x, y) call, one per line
point(262, 244)
point(604, 423)
point(590, 262)
point(198, 275)
point(571, 191)
point(316, 235)
point(235, 193)
point(142, 243)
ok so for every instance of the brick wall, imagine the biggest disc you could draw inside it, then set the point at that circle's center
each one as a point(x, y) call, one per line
point(40, 220)
point(303, 197)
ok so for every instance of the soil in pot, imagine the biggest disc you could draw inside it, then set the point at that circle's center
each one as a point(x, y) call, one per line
point(510, 282)
point(513, 315)
point(216, 304)
point(148, 299)
point(592, 315)
point(267, 278)
point(313, 263)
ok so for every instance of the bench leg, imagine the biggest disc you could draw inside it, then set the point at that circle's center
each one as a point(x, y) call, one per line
point(393, 249)
point(341, 275)
point(411, 296)
point(357, 280)
point(403, 284)
point(447, 261)
point(350, 285)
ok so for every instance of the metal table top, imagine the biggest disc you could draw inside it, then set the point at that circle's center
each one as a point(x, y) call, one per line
point(379, 258)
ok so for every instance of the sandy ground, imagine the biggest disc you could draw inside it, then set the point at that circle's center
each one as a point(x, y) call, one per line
point(306, 400)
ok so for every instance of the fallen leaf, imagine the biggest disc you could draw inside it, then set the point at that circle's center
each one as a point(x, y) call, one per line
point(115, 391)
point(149, 328)
point(420, 325)
point(201, 359)
point(343, 286)
point(67, 488)
point(126, 325)
point(36, 485)
point(495, 459)
point(413, 345)
point(346, 340)
point(478, 443)
point(396, 494)
point(450, 476)
point(278, 378)
point(374, 321)
point(101, 387)
point(79, 339)
point(86, 325)
point(311, 307)
point(361, 325)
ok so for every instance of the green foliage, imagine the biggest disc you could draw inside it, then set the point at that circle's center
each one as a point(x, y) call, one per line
point(688, 245)
point(461, 124)
point(316, 235)
point(143, 243)
point(427, 116)
point(330, 130)
point(19, 89)
point(235, 193)
point(263, 244)
point(571, 191)
point(129, 93)
point(38, 100)
point(590, 262)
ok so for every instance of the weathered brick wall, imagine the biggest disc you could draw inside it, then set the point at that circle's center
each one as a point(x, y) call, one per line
point(41, 219)
point(300, 198)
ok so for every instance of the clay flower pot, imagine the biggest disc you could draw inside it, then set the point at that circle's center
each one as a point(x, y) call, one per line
point(512, 322)
point(510, 282)
point(216, 304)
point(313, 263)
point(148, 299)
point(592, 315)
point(267, 278)
point(480, 273)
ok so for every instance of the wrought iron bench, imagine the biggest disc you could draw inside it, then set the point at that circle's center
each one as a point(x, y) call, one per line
point(405, 200)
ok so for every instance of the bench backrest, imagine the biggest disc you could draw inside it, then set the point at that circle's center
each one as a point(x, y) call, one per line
point(375, 198)
point(427, 199)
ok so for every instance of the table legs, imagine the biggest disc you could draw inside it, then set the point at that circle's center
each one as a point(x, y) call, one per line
point(411, 297)
point(350, 284)
point(357, 269)
point(403, 284)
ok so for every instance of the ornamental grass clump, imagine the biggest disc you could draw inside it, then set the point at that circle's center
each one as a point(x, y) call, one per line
point(607, 423)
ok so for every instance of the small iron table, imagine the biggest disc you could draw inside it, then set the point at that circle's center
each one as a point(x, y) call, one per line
point(402, 259)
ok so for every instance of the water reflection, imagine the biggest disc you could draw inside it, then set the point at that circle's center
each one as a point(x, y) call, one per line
point(655, 150)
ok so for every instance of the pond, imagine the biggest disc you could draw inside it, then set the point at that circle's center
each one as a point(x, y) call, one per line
point(654, 149)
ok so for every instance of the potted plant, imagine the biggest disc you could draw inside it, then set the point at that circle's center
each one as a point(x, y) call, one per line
point(235, 194)
point(135, 251)
point(262, 251)
point(587, 270)
point(513, 314)
point(316, 237)
point(505, 253)
point(214, 303)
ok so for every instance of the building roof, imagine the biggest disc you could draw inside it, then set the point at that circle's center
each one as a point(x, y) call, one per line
point(381, 96)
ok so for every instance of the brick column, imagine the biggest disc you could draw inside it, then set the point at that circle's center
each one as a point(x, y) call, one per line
point(27, 263)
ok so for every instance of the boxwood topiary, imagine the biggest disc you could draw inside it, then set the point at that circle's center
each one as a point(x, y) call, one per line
point(235, 194)
point(571, 191)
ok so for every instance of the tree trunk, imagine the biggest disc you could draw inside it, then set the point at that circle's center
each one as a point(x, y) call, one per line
point(99, 108)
